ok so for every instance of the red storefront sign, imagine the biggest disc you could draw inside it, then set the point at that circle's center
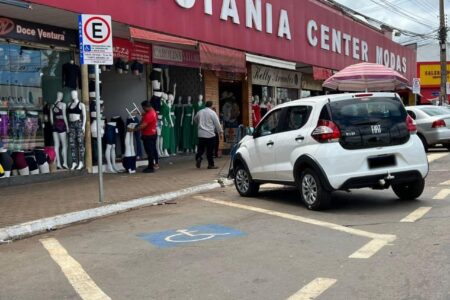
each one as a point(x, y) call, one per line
point(304, 31)
point(175, 57)
point(321, 73)
point(129, 51)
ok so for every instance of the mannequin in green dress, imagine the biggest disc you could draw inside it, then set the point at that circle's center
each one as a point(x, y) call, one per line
point(197, 107)
point(178, 108)
point(166, 126)
point(172, 142)
point(187, 120)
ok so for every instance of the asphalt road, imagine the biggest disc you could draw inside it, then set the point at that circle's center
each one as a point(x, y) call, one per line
point(217, 245)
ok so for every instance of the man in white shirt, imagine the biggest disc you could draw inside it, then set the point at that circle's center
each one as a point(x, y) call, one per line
point(208, 123)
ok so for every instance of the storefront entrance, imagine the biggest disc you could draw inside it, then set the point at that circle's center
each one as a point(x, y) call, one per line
point(230, 109)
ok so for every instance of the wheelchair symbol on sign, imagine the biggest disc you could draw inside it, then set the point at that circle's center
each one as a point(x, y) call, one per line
point(186, 236)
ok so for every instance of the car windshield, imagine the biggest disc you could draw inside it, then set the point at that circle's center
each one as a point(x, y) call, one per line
point(435, 110)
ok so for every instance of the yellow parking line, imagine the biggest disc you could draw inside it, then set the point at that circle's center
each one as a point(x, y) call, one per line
point(442, 194)
point(78, 278)
point(416, 215)
point(313, 289)
point(435, 156)
point(365, 252)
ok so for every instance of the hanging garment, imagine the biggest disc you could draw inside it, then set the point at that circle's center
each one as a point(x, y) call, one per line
point(121, 129)
point(19, 161)
point(48, 130)
point(4, 125)
point(76, 138)
point(178, 132)
point(165, 132)
point(173, 141)
point(110, 134)
point(129, 159)
point(187, 127)
point(156, 103)
point(71, 76)
point(256, 110)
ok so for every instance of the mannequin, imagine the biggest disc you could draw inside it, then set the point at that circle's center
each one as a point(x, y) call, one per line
point(6, 162)
point(169, 126)
point(42, 160)
point(60, 125)
point(129, 159)
point(110, 152)
point(20, 164)
point(30, 158)
point(77, 125)
point(164, 139)
point(187, 121)
point(71, 75)
point(256, 111)
point(178, 110)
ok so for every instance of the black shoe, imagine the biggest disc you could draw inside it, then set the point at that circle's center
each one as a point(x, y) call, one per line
point(147, 170)
point(213, 167)
point(198, 163)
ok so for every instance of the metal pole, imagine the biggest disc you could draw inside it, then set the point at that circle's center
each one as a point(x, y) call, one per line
point(443, 50)
point(99, 140)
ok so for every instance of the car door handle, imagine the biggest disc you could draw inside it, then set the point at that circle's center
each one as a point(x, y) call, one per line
point(270, 143)
point(299, 138)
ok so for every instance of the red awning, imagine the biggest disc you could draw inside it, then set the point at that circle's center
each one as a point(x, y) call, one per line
point(222, 59)
point(150, 36)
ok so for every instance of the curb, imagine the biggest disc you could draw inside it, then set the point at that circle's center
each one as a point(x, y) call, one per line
point(24, 230)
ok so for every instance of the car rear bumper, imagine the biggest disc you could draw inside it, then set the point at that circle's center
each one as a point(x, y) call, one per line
point(438, 136)
point(381, 180)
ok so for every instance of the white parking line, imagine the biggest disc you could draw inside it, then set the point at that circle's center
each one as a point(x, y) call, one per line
point(445, 182)
point(416, 215)
point(313, 289)
point(78, 278)
point(379, 240)
point(434, 156)
point(442, 194)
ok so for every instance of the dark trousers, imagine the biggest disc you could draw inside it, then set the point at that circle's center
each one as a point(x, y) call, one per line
point(216, 145)
point(208, 144)
point(149, 142)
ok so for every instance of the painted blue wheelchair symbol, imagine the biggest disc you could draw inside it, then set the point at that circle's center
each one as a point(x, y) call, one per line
point(180, 237)
point(87, 48)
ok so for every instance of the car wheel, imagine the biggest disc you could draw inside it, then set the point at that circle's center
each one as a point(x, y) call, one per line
point(410, 190)
point(424, 142)
point(244, 184)
point(312, 191)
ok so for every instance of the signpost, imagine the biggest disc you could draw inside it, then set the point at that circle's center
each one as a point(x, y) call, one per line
point(96, 49)
point(416, 86)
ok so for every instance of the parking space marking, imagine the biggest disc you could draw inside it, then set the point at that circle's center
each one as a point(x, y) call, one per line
point(74, 272)
point(442, 194)
point(313, 289)
point(445, 182)
point(379, 240)
point(434, 156)
point(416, 215)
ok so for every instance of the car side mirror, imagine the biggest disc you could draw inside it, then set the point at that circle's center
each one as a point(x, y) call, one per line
point(250, 130)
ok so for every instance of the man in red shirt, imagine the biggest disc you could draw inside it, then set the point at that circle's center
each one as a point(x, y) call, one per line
point(149, 134)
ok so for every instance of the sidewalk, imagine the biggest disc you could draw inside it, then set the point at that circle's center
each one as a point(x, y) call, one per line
point(21, 204)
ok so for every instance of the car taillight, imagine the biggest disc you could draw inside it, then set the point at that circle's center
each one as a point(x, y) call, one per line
point(411, 124)
point(326, 132)
point(438, 124)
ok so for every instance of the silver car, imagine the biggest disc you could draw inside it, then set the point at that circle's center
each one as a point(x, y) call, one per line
point(433, 124)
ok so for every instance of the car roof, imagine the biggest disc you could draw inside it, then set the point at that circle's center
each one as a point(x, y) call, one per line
point(335, 97)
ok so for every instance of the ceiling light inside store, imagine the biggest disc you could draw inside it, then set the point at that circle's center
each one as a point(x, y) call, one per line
point(17, 3)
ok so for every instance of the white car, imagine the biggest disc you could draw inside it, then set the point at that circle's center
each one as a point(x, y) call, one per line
point(334, 142)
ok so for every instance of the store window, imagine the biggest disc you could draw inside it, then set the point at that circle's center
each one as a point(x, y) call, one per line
point(29, 78)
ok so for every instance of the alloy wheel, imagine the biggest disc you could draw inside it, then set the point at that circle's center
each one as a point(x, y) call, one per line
point(309, 189)
point(242, 180)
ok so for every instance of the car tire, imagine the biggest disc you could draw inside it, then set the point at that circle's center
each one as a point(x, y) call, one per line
point(312, 192)
point(243, 182)
point(410, 190)
point(424, 142)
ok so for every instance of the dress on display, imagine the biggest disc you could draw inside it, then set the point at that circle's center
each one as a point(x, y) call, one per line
point(178, 113)
point(256, 109)
point(173, 140)
point(71, 75)
point(166, 127)
point(187, 127)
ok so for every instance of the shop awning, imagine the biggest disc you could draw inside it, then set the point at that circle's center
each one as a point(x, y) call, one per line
point(154, 37)
point(222, 59)
point(271, 62)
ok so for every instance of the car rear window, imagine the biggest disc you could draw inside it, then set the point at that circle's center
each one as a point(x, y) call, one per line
point(370, 122)
point(435, 110)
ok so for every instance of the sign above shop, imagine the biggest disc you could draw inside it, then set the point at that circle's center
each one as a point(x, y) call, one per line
point(95, 40)
point(37, 33)
point(176, 57)
point(129, 51)
point(430, 73)
point(268, 76)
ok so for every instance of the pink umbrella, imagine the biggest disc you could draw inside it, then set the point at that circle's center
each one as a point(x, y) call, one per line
point(366, 77)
